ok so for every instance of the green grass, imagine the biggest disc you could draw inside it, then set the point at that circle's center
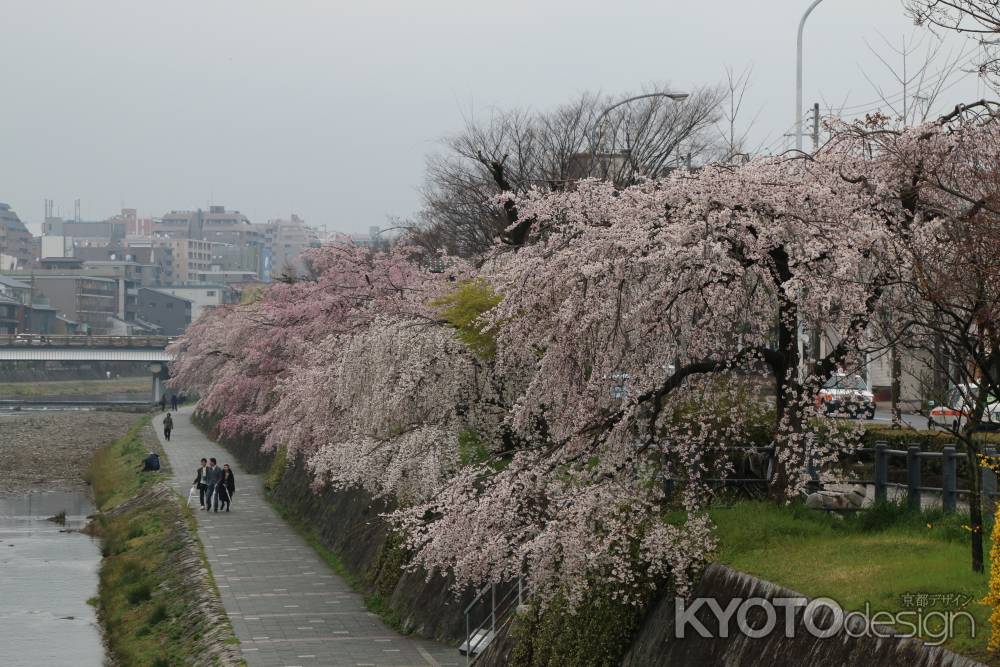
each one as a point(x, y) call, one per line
point(44, 388)
point(875, 556)
point(114, 471)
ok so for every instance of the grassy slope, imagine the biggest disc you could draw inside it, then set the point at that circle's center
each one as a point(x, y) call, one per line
point(144, 600)
point(875, 556)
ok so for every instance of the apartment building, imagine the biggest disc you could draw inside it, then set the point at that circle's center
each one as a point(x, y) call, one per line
point(88, 300)
point(284, 243)
point(202, 297)
point(15, 240)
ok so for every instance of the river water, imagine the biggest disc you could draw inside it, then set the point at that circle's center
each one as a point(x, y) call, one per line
point(47, 573)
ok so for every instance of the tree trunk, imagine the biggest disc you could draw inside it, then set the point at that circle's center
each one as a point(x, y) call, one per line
point(897, 421)
point(787, 389)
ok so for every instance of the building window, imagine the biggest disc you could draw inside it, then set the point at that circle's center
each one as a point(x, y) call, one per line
point(210, 292)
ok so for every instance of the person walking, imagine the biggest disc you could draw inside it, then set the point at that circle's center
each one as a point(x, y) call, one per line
point(227, 487)
point(201, 481)
point(173, 402)
point(163, 403)
point(214, 476)
point(168, 426)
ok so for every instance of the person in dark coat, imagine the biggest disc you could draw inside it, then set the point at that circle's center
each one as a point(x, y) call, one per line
point(173, 402)
point(151, 462)
point(163, 403)
point(227, 487)
point(168, 426)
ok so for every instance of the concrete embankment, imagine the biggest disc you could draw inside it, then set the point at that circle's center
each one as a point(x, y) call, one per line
point(655, 644)
point(158, 603)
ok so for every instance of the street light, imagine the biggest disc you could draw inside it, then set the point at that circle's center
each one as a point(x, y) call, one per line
point(676, 97)
point(798, 77)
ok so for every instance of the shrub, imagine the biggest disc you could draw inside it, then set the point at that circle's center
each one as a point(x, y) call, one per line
point(277, 470)
point(462, 309)
point(140, 593)
point(597, 632)
point(159, 614)
point(471, 448)
point(993, 596)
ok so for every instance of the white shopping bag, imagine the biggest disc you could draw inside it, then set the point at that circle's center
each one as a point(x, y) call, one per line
point(192, 495)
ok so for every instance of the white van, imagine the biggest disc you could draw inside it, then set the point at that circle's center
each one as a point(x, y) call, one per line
point(955, 412)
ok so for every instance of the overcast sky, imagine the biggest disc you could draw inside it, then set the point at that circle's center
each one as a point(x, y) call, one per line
point(328, 108)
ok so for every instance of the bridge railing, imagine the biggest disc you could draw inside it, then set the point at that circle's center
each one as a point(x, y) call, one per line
point(46, 340)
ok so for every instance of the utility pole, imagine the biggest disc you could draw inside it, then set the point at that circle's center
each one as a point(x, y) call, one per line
point(798, 76)
point(815, 126)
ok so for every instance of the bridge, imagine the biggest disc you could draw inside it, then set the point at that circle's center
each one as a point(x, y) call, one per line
point(43, 347)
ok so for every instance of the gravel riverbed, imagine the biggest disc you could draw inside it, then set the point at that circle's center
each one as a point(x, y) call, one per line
point(51, 451)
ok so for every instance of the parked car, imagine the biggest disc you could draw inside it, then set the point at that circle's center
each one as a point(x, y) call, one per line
point(846, 394)
point(956, 410)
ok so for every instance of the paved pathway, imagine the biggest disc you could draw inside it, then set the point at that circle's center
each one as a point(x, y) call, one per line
point(285, 604)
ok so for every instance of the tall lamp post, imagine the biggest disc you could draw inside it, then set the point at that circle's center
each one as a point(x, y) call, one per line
point(798, 76)
point(676, 97)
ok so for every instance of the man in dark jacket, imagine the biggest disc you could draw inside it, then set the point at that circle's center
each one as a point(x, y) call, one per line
point(212, 479)
point(168, 426)
point(151, 462)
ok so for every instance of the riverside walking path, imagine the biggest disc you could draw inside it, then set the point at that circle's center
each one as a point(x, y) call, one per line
point(286, 606)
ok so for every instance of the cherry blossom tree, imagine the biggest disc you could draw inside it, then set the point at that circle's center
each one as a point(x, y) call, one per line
point(235, 355)
point(382, 407)
point(682, 290)
point(625, 345)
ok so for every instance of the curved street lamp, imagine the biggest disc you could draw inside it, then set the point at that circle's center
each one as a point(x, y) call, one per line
point(676, 97)
point(798, 76)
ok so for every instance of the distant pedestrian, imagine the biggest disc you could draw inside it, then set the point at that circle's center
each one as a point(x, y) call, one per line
point(201, 481)
point(227, 487)
point(173, 402)
point(168, 426)
point(213, 477)
point(163, 403)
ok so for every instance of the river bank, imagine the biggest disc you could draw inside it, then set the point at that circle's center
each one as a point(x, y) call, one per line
point(50, 451)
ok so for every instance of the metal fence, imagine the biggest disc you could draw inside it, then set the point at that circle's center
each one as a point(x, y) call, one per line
point(882, 458)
